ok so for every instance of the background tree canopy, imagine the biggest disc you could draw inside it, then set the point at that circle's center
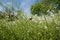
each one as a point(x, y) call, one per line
point(39, 9)
point(42, 7)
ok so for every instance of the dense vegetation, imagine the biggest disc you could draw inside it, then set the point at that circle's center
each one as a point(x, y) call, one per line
point(24, 29)
point(20, 27)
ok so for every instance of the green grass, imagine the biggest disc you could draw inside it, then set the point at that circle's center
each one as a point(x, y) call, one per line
point(24, 29)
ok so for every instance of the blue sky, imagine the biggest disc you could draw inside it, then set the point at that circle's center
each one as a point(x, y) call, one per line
point(24, 4)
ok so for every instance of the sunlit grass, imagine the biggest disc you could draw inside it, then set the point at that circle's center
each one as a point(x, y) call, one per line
point(24, 29)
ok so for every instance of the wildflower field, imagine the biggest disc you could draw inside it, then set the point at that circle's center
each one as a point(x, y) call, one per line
point(25, 29)
point(29, 19)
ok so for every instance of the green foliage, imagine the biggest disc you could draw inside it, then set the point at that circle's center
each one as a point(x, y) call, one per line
point(50, 1)
point(24, 29)
point(39, 9)
point(42, 7)
point(10, 12)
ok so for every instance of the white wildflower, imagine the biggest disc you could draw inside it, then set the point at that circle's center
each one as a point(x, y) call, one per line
point(45, 27)
point(57, 28)
point(15, 13)
point(40, 21)
point(33, 19)
point(14, 22)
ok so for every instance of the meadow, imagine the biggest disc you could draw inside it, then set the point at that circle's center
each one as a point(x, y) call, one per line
point(25, 29)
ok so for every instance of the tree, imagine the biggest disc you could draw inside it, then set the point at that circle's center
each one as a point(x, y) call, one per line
point(42, 7)
point(39, 9)
point(53, 2)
